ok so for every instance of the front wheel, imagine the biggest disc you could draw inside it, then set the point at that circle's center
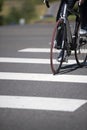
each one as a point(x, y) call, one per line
point(57, 46)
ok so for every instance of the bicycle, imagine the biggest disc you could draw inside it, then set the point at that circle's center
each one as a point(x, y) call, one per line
point(67, 41)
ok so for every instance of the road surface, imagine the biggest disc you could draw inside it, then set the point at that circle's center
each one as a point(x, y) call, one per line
point(31, 98)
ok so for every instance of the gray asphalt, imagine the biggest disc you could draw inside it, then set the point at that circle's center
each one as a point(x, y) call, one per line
point(14, 38)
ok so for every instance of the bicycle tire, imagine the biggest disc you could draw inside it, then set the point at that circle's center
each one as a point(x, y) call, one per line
point(55, 50)
point(80, 51)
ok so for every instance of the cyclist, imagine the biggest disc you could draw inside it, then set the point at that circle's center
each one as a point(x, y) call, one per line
point(83, 9)
point(83, 14)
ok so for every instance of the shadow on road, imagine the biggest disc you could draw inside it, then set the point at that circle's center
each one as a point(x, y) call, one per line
point(70, 68)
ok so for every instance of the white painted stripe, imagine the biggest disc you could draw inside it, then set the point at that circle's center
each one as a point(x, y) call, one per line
point(31, 60)
point(41, 103)
point(35, 50)
point(43, 77)
point(24, 60)
point(45, 50)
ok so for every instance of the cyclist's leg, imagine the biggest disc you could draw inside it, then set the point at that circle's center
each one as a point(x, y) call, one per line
point(58, 36)
point(83, 10)
point(71, 5)
point(59, 10)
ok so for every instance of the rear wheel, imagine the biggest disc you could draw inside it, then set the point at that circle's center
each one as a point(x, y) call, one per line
point(81, 51)
point(57, 46)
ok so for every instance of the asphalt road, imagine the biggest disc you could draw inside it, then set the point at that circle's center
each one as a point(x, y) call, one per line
point(31, 98)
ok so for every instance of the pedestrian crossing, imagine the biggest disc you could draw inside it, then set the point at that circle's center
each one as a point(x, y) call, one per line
point(39, 103)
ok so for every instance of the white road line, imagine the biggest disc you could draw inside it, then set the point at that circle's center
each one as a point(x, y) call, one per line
point(30, 60)
point(43, 77)
point(45, 50)
point(24, 60)
point(41, 103)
